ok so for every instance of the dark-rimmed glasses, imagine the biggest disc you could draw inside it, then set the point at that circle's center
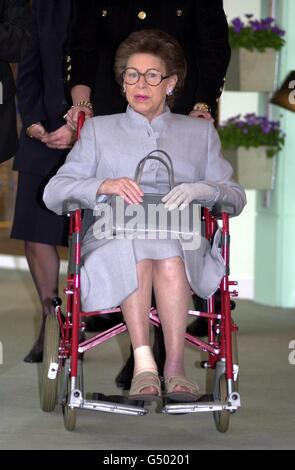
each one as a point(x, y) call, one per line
point(152, 76)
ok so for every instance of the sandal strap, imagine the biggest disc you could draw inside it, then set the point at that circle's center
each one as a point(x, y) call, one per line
point(143, 380)
point(179, 380)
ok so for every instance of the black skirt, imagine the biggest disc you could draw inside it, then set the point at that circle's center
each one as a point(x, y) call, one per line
point(32, 220)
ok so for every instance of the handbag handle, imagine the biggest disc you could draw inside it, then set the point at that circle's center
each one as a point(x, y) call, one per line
point(150, 156)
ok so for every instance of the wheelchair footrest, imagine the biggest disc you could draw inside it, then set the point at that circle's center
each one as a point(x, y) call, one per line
point(202, 406)
point(77, 401)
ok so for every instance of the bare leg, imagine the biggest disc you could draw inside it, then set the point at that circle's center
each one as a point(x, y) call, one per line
point(137, 306)
point(172, 295)
point(43, 261)
point(136, 312)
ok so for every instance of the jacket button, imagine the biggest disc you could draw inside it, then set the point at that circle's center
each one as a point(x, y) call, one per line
point(142, 15)
point(104, 12)
point(179, 12)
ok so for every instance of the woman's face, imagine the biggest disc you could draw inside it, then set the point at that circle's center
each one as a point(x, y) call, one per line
point(144, 98)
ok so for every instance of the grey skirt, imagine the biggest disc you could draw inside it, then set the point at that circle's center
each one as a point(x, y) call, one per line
point(156, 249)
point(108, 272)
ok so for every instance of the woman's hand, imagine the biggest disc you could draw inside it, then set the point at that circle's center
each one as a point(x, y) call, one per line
point(72, 115)
point(36, 131)
point(62, 138)
point(181, 195)
point(125, 187)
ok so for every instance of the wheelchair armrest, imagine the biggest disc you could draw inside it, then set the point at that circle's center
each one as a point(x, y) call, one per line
point(71, 205)
point(221, 207)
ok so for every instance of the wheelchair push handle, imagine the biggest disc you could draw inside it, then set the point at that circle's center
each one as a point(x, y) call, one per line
point(81, 120)
point(73, 205)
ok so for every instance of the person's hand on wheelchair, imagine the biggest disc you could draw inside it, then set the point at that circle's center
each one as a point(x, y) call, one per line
point(72, 115)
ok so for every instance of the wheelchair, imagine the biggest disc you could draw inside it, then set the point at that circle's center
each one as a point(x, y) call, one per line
point(62, 368)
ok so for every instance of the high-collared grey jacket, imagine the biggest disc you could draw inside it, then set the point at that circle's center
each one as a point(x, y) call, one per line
point(111, 147)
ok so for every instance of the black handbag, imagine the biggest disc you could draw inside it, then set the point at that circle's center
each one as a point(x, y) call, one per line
point(150, 219)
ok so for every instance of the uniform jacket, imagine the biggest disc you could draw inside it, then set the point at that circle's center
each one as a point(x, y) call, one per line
point(112, 146)
point(14, 23)
point(99, 26)
point(40, 84)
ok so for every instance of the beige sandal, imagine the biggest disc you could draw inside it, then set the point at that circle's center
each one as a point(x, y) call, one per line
point(192, 393)
point(140, 382)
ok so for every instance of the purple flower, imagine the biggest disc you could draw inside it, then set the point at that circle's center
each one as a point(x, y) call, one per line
point(267, 21)
point(251, 119)
point(252, 130)
point(234, 119)
point(256, 25)
point(278, 31)
point(266, 128)
point(265, 24)
point(238, 25)
point(239, 124)
point(275, 125)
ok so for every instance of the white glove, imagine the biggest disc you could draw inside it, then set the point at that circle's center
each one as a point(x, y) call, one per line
point(181, 195)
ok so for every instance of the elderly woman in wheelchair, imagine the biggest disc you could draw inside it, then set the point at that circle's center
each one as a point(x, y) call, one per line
point(150, 67)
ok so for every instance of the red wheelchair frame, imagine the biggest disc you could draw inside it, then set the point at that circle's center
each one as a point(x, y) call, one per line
point(63, 348)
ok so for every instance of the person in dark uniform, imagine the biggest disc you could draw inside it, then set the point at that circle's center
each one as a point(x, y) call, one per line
point(14, 36)
point(98, 27)
point(44, 144)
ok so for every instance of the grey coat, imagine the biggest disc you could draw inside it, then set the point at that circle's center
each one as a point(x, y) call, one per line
point(110, 147)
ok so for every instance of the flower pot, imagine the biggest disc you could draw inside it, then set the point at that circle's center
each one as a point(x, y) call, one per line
point(252, 70)
point(252, 168)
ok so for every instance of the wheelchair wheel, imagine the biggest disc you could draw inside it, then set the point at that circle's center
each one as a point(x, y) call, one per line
point(48, 385)
point(235, 356)
point(221, 418)
point(70, 414)
point(210, 373)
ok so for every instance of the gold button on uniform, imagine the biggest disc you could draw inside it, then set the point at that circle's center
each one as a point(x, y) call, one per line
point(179, 12)
point(104, 13)
point(142, 15)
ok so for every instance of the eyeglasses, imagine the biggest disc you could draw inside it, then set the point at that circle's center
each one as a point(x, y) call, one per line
point(152, 77)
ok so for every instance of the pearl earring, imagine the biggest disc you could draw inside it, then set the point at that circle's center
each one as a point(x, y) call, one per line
point(170, 92)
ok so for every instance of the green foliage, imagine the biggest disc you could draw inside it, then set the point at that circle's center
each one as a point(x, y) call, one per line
point(255, 34)
point(252, 131)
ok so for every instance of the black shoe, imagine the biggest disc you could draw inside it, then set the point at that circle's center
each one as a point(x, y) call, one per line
point(124, 378)
point(199, 327)
point(103, 322)
point(159, 351)
point(35, 355)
